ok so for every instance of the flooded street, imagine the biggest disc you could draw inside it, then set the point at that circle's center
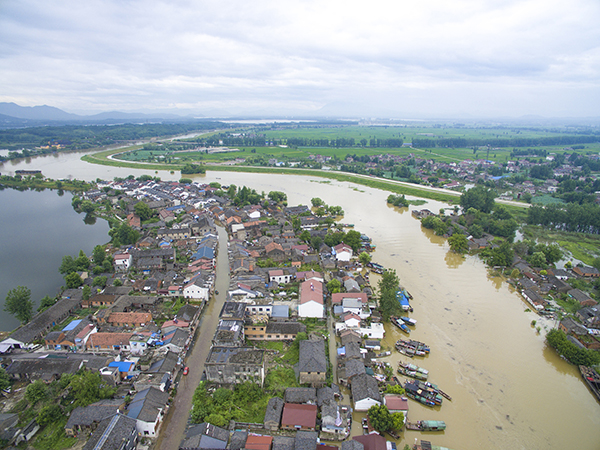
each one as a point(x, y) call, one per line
point(508, 389)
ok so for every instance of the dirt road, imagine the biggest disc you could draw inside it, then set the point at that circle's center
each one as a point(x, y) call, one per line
point(175, 423)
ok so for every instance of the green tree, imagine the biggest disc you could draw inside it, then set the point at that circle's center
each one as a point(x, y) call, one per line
point(277, 196)
point(123, 234)
point(49, 414)
point(397, 420)
point(88, 387)
point(18, 303)
point(73, 280)
point(395, 389)
point(388, 287)
point(334, 286)
point(87, 291)
point(352, 238)
point(380, 418)
point(100, 281)
point(305, 236)
point(99, 254)
point(316, 242)
point(316, 202)
point(46, 303)
point(68, 265)
point(364, 258)
point(82, 262)
point(87, 207)
point(538, 259)
point(458, 243)
point(479, 198)
point(36, 391)
point(4, 379)
point(143, 210)
point(117, 282)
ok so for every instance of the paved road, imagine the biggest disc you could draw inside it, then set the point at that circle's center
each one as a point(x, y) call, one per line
point(173, 429)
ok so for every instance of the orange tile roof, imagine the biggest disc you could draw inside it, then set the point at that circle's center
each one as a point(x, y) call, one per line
point(103, 340)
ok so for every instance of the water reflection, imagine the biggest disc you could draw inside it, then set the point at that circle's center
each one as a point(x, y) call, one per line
point(89, 219)
point(398, 209)
point(496, 280)
point(433, 238)
point(453, 259)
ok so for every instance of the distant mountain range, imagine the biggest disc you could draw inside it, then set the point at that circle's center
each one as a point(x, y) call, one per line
point(13, 115)
point(16, 116)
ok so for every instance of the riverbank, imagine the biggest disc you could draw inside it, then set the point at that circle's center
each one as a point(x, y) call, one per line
point(394, 186)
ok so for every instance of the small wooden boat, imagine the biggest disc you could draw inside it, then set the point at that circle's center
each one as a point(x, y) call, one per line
point(426, 425)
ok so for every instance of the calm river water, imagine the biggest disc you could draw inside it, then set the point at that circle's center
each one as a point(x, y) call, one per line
point(509, 390)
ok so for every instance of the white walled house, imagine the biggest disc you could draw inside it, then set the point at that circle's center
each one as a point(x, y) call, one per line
point(343, 252)
point(122, 261)
point(311, 299)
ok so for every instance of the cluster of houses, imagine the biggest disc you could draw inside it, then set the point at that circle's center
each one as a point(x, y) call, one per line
point(125, 336)
point(584, 329)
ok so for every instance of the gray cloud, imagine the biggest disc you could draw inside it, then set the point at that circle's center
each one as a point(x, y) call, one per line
point(489, 57)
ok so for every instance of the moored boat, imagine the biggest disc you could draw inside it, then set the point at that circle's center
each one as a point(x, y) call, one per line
point(426, 425)
point(412, 373)
point(428, 397)
point(409, 321)
point(420, 349)
point(426, 445)
point(413, 367)
point(400, 324)
point(592, 379)
point(431, 386)
point(402, 297)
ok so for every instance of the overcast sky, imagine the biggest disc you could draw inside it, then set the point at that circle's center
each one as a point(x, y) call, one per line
point(403, 59)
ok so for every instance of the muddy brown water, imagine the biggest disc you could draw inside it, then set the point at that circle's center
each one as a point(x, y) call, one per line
point(508, 389)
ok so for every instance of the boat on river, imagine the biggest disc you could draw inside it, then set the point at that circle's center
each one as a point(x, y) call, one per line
point(412, 348)
point(432, 387)
point(413, 371)
point(400, 324)
point(376, 268)
point(403, 298)
point(409, 321)
point(424, 396)
point(426, 425)
point(426, 445)
point(592, 379)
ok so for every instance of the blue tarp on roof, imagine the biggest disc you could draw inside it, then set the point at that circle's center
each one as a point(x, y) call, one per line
point(402, 299)
point(72, 325)
point(123, 366)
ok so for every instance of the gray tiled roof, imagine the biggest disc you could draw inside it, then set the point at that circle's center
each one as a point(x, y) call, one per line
point(112, 431)
point(312, 356)
point(301, 395)
point(365, 386)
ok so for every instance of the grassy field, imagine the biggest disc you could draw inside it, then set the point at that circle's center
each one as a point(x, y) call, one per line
point(584, 247)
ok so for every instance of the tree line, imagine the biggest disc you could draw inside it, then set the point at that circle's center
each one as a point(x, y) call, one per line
point(463, 142)
point(572, 217)
point(76, 137)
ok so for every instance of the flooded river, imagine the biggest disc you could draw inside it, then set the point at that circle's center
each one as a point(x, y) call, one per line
point(509, 391)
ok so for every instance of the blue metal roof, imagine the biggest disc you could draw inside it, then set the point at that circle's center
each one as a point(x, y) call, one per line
point(123, 366)
point(72, 325)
